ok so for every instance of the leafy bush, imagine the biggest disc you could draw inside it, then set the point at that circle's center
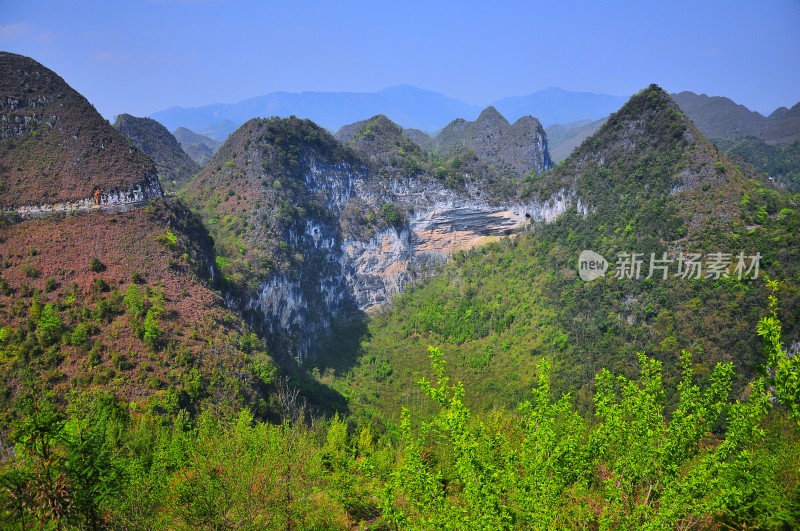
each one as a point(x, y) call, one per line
point(96, 265)
point(168, 239)
point(152, 330)
point(392, 215)
point(49, 327)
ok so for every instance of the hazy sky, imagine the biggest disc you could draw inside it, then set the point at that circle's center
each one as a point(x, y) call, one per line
point(147, 55)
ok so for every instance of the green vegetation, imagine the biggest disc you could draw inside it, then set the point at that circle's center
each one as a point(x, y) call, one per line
point(250, 208)
point(168, 239)
point(780, 162)
point(87, 459)
point(96, 265)
point(392, 215)
point(501, 309)
point(106, 340)
point(134, 399)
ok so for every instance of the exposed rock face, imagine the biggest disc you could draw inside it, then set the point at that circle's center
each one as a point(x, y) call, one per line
point(101, 199)
point(341, 228)
point(382, 266)
point(515, 149)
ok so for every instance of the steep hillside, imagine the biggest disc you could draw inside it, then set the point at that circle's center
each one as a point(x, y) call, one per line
point(514, 149)
point(780, 162)
point(272, 197)
point(121, 302)
point(55, 149)
point(563, 139)
point(784, 128)
point(421, 138)
point(719, 117)
point(653, 151)
point(311, 231)
point(769, 144)
point(199, 148)
point(115, 294)
point(174, 166)
point(646, 182)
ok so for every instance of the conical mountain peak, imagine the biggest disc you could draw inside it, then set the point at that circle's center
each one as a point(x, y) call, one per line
point(55, 148)
point(515, 150)
point(649, 153)
point(490, 114)
point(175, 168)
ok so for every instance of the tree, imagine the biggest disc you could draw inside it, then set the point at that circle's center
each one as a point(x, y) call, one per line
point(784, 371)
point(152, 330)
point(49, 327)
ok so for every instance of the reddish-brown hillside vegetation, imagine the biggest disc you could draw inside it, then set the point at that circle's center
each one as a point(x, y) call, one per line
point(133, 311)
point(54, 146)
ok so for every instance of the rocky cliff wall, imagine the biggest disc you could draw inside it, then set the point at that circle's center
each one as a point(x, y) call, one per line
point(138, 193)
point(343, 275)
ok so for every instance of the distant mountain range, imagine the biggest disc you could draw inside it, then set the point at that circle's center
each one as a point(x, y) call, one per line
point(408, 106)
point(721, 118)
point(199, 148)
point(556, 106)
point(564, 138)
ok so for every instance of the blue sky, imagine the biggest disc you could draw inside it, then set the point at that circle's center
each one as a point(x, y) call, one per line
point(142, 56)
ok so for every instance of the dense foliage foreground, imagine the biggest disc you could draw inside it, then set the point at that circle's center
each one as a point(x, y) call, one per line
point(89, 461)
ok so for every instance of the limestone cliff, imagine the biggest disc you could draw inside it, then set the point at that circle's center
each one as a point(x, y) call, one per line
point(311, 231)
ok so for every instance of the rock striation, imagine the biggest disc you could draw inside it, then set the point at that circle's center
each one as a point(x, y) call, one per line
point(314, 231)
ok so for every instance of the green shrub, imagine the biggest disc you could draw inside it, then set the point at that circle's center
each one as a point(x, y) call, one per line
point(152, 330)
point(96, 265)
point(79, 335)
point(49, 327)
point(31, 271)
point(168, 239)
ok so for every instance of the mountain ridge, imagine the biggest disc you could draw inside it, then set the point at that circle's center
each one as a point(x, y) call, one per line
point(410, 107)
point(646, 182)
point(200, 148)
point(721, 118)
point(515, 149)
point(174, 166)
